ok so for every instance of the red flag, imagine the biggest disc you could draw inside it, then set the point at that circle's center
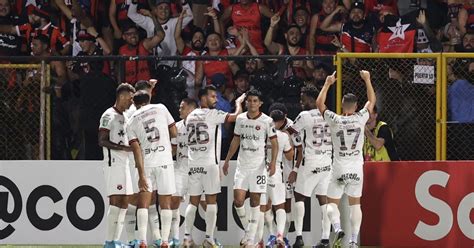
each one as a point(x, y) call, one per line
point(397, 34)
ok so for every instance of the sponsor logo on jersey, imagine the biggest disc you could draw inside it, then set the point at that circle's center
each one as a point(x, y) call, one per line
point(197, 170)
point(156, 149)
point(249, 149)
point(249, 137)
point(349, 177)
point(349, 154)
point(321, 169)
point(198, 149)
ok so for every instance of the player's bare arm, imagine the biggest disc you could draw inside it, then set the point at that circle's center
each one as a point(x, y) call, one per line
point(140, 165)
point(173, 131)
point(104, 141)
point(299, 159)
point(234, 145)
point(374, 140)
point(365, 75)
point(238, 108)
point(271, 166)
point(321, 100)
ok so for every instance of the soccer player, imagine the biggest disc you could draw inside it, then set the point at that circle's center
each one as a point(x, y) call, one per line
point(276, 193)
point(130, 218)
point(347, 133)
point(252, 129)
point(150, 130)
point(113, 140)
point(181, 168)
point(313, 174)
point(204, 147)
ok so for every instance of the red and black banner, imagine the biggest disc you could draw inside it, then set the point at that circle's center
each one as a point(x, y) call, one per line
point(397, 34)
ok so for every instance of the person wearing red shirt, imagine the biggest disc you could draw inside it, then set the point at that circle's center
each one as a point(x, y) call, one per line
point(321, 42)
point(138, 70)
point(248, 14)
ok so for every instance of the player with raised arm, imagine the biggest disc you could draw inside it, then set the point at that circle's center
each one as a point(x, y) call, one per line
point(252, 129)
point(181, 168)
point(312, 175)
point(150, 130)
point(276, 186)
point(347, 133)
point(203, 127)
point(118, 181)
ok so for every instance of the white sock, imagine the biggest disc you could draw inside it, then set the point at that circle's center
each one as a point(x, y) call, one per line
point(326, 223)
point(142, 223)
point(356, 219)
point(130, 222)
point(211, 218)
point(260, 226)
point(189, 220)
point(242, 216)
point(281, 221)
point(166, 216)
point(154, 222)
point(287, 223)
point(175, 224)
point(253, 223)
point(334, 216)
point(269, 222)
point(120, 223)
point(112, 217)
point(299, 216)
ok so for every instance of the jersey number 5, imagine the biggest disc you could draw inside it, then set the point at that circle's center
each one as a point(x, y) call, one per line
point(152, 133)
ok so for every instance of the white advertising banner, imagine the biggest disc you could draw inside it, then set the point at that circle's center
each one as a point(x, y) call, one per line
point(63, 202)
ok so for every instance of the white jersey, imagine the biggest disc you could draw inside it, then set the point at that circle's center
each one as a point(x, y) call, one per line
point(253, 133)
point(150, 125)
point(284, 146)
point(181, 145)
point(204, 136)
point(115, 123)
point(316, 135)
point(128, 113)
point(348, 136)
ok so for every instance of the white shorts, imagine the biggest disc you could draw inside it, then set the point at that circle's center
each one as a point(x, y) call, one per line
point(118, 180)
point(276, 189)
point(204, 180)
point(312, 180)
point(349, 183)
point(289, 187)
point(182, 182)
point(160, 178)
point(253, 180)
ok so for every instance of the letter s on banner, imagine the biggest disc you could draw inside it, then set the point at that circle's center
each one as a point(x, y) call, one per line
point(433, 204)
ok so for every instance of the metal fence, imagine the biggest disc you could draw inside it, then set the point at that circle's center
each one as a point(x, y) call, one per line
point(23, 109)
point(412, 92)
point(458, 99)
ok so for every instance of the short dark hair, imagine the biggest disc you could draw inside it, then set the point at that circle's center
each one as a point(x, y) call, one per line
point(190, 102)
point(349, 98)
point(142, 85)
point(124, 87)
point(310, 91)
point(255, 92)
point(277, 115)
point(42, 38)
point(141, 97)
point(128, 25)
point(278, 106)
point(293, 26)
point(205, 91)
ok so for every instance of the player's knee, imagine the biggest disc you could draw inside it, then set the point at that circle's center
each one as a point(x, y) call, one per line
point(255, 201)
point(299, 197)
point(238, 203)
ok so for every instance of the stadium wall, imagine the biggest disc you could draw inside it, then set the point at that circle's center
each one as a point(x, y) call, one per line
point(422, 204)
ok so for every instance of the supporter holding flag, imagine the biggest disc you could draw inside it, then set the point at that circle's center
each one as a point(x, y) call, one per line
point(397, 33)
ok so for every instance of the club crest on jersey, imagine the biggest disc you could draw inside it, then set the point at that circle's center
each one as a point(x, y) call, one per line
point(119, 187)
point(257, 127)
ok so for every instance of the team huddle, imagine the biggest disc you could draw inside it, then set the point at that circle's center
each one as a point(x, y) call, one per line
point(319, 153)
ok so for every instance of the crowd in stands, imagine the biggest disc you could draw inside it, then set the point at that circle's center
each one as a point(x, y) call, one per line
point(82, 90)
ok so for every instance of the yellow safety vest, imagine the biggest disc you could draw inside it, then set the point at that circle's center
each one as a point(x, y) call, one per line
point(370, 153)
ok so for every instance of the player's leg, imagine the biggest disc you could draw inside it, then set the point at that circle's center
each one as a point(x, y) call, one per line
point(289, 191)
point(175, 220)
point(143, 202)
point(241, 186)
point(335, 191)
point(355, 215)
point(253, 217)
point(131, 219)
point(189, 218)
point(261, 220)
point(212, 186)
point(154, 219)
point(166, 187)
point(321, 194)
point(277, 195)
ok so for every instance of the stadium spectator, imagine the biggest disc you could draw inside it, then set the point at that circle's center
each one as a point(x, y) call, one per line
point(219, 81)
point(467, 43)
point(194, 47)
point(138, 70)
point(10, 44)
point(466, 17)
point(299, 68)
point(161, 10)
point(356, 35)
point(242, 83)
point(87, 41)
point(379, 144)
point(426, 39)
point(321, 42)
point(208, 68)
point(301, 19)
point(248, 14)
point(461, 92)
